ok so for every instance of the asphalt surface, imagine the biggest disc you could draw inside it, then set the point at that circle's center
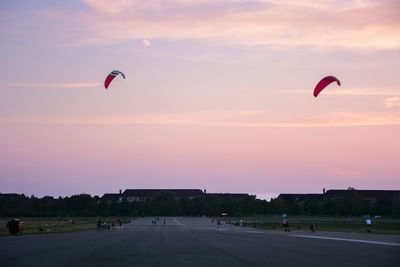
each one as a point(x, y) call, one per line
point(198, 242)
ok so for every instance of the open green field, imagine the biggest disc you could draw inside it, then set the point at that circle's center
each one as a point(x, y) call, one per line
point(386, 226)
point(56, 225)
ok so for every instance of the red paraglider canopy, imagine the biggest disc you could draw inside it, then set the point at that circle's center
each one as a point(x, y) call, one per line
point(324, 83)
point(111, 77)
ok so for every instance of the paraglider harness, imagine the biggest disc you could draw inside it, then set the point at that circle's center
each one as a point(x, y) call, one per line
point(15, 226)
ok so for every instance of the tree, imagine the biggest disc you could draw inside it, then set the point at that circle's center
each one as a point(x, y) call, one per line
point(294, 207)
point(351, 203)
point(164, 204)
point(278, 206)
point(396, 207)
point(382, 206)
point(328, 207)
point(311, 207)
point(211, 206)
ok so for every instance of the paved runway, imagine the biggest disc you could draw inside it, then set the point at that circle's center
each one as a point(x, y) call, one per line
point(198, 242)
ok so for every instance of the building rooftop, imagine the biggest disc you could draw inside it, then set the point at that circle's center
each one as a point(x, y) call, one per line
point(152, 192)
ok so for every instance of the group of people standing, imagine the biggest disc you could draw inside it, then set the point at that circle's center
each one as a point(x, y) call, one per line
point(286, 228)
point(285, 225)
point(106, 226)
point(155, 221)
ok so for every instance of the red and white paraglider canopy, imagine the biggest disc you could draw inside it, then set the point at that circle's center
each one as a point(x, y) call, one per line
point(324, 83)
point(111, 77)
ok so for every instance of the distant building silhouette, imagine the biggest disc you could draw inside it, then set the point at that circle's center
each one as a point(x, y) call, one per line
point(370, 195)
point(111, 197)
point(227, 195)
point(143, 194)
point(9, 196)
point(301, 197)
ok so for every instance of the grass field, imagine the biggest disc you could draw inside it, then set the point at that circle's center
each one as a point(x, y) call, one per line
point(330, 224)
point(55, 225)
point(334, 224)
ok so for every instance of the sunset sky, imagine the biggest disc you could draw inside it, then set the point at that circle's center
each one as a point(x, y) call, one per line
point(218, 95)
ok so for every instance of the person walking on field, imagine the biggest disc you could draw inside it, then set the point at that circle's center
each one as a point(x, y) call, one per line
point(368, 222)
point(285, 225)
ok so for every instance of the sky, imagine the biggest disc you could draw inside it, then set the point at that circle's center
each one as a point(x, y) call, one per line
point(218, 95)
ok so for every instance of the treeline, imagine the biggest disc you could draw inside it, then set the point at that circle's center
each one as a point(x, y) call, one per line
point(167, 204)
point(349, 203)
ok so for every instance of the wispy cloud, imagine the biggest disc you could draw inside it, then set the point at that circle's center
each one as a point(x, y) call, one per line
point(372, 92)
point(146, 42)
point(352, 25)
point(327, 24)
point(228, 119)
point(392, 102)
point(48, 85)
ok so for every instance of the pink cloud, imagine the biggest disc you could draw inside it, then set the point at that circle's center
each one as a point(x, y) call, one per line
point(49, 85)
point(349, 91)
point(392, 102)
point(227, 119)
point(321, 24)
point(146, 42)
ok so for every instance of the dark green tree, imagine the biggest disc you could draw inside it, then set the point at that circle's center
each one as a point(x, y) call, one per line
point(164, 204)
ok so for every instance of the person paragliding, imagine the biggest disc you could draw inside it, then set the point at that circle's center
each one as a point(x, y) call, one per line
point(324, 83)
point(111, 77)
